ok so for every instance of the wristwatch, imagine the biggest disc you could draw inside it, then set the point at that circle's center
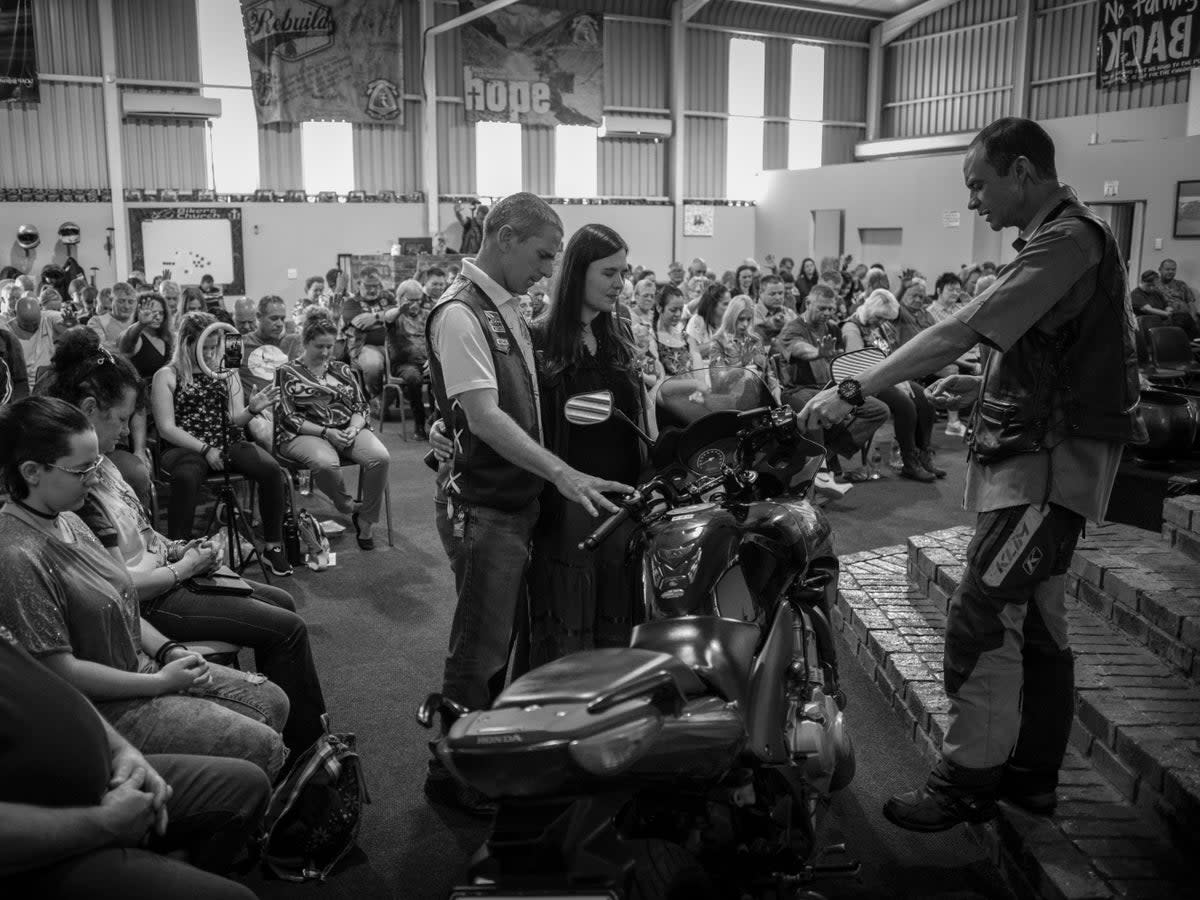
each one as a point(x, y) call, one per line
point(851, 392)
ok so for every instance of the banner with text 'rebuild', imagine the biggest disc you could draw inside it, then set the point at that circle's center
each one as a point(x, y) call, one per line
point(18, 55)
point(533, 65)
point(334, 59)
point(1142, 40)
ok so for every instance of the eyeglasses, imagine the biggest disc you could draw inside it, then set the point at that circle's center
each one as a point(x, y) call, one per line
point(82, 474)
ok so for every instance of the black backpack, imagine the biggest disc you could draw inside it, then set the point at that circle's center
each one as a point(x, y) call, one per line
point(314, 815)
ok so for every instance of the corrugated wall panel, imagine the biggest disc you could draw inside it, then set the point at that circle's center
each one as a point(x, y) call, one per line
point(637, 65)
point(704, 168)
point(66, 37)
point(631, 168)
point(456, 150)
point(279, 163)
point(775, 145)
point(387, 158)
point(962, 14)
point(157, 39)
point(58, 143)
point(922, 79)
point(537, 159)
point(164, 153)
point(837, 144)
point(845, 84)
point(707, 71)
point(1059, 53)
point(778, 68)
point(777, 20)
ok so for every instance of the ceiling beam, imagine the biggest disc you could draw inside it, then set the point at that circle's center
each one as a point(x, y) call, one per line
point(691, 7)
point(831, 9)
point(898, 24)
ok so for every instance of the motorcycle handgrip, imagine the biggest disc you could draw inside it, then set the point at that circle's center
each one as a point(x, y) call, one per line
point(607, 527)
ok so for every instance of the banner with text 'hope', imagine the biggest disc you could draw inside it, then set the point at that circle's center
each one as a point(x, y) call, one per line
point(534, 66)
point(1142, 40)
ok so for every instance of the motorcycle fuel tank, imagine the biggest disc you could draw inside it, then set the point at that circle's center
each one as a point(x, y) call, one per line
point(688, 553)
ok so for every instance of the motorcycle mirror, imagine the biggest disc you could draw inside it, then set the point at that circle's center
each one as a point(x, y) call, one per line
point(589, 409)
point(854, 363)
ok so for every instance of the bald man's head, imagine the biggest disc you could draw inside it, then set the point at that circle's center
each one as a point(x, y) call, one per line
point(245, 315)
point(29, 312)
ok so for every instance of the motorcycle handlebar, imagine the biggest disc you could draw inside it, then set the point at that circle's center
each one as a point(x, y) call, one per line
point(606, 528)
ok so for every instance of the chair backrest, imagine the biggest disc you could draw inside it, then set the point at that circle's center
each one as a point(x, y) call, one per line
point(1170, 348)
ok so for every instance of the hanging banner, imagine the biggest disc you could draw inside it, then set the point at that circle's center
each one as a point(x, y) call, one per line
point(339, 59)
point(18, 54)
point(534, 66)
point(1145, 40)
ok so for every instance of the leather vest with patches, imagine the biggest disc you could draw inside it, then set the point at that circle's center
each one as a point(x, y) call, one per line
point(479, 475)
point(1081, 380)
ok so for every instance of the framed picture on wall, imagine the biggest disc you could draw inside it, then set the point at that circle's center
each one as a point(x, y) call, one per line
point(1187, 209)
point(189, 242)
point(697, 220)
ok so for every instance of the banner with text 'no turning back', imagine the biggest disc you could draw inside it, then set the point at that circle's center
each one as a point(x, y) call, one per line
point(534, 66)
point(1144, 40)
point(333, 59)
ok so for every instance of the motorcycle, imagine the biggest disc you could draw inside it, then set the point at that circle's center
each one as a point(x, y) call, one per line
point(698, 761)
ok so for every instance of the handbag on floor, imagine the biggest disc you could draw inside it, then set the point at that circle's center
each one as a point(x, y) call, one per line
point(313, 541)
point(313, 819)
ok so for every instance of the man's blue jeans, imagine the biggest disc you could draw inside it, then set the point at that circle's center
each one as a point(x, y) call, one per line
point(489, 553)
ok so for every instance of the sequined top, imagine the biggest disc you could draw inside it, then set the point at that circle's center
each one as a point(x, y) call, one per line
point(198, 408)
point(65, 594)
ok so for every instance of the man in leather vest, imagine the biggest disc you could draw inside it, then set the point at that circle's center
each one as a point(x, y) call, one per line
point(484, 378)
point(1055, 405)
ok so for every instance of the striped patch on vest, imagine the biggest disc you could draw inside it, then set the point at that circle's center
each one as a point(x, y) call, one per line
point(499, 332)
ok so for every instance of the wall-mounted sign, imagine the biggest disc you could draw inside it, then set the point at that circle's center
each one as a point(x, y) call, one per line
point(698, 219)
point(951, 218)
point(1144, 41)
point(336, 59)
point(189, 242)
point(534, 66)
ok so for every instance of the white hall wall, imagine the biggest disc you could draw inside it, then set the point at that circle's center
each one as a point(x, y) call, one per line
point(1143, 150)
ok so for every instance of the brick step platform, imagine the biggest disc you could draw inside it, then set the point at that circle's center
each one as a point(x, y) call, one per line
point(1144, 586)
point(1110, 838)
point(1181, 525)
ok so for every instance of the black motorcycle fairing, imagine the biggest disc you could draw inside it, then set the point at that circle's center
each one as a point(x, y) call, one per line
point(768, 702)
point(696, 747)
point(586, 676)
point(720, 651)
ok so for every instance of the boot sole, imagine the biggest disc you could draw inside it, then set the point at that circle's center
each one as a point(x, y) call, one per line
point(930, 828)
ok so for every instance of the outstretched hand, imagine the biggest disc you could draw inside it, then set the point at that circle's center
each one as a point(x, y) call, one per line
point(588, 490)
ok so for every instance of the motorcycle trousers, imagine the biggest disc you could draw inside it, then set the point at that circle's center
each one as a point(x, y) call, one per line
point(1008, 666)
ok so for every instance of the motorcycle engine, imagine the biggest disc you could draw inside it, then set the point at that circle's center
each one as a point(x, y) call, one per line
point(814, 735)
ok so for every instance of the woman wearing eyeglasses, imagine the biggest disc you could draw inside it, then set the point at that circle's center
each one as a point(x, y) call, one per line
point(188, 413)
point(74, 608)
point(105, 388)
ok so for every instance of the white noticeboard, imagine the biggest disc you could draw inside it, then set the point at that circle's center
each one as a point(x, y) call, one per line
point(189, 248)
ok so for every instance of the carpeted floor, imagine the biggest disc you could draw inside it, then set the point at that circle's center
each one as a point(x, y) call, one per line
point(379, 624)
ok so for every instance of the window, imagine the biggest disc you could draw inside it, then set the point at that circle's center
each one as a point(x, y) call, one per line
point(806, 106)
point(327, 157)
point(744, 137)
point(225, 76)
point(575, 161)
point(497, 158)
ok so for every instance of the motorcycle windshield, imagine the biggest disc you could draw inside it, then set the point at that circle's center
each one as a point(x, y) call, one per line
point(689, 396)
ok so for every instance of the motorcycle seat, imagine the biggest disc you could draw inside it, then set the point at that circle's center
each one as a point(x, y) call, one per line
point(582, 677)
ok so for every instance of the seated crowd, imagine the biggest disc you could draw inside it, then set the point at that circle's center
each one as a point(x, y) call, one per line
point(109, 392)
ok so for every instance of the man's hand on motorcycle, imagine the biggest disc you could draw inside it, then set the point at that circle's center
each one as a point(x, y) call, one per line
point(823, 411)
point(954, 391)
point(588, 491)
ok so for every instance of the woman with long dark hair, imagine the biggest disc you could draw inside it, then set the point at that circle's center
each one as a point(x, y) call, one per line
point(580, 600)
point(704, 324)
point(806, 280)
point(745, 281)
point(149, 341)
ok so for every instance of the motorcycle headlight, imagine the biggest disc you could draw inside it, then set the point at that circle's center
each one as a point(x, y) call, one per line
point(609, 752)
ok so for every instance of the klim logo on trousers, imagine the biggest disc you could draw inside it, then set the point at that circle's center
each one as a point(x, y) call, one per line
point(288, 29)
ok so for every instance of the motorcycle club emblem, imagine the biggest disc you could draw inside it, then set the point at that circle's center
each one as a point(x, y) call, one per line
point(496, 324)
point(288, 29)
point(383, 99)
